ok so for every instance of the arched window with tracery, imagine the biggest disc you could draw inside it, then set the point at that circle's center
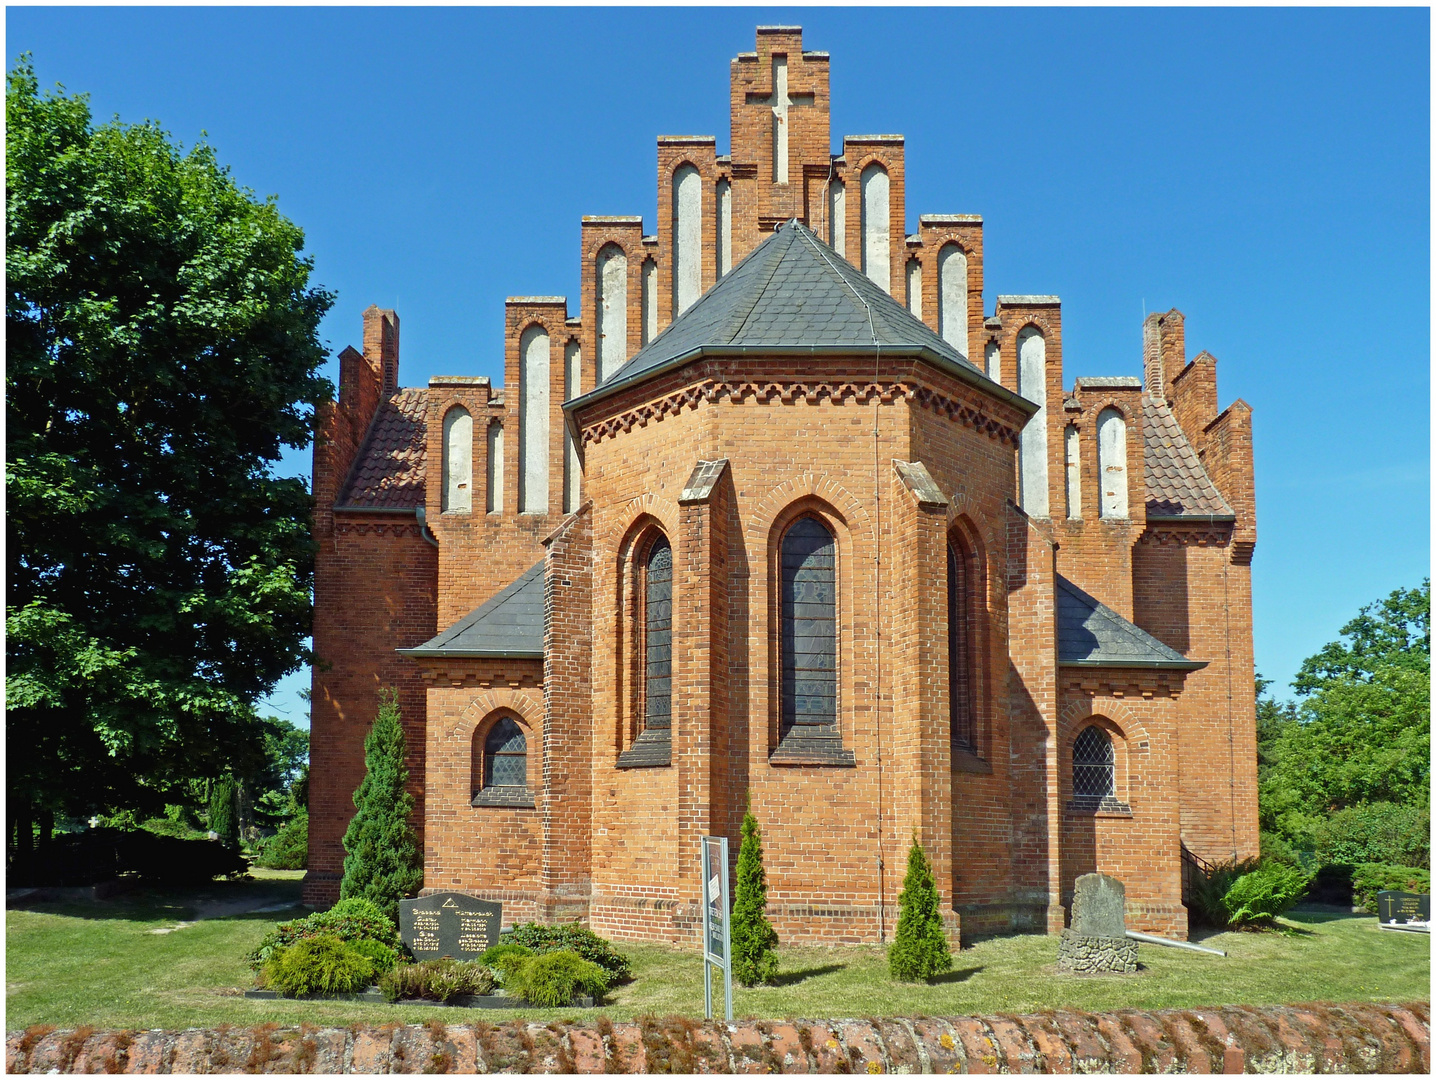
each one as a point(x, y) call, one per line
point(1093, 764)
point(961, 673)
point(649, 656)
point(500, 775)
point(810, 629)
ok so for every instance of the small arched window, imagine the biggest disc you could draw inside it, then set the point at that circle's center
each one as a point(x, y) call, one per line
point(1093, 764)
point(501, 765)
point(658, 637)
point(810, 629)
point(961, 696)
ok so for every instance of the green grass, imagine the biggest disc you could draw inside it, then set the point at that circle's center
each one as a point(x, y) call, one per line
point(100, 964)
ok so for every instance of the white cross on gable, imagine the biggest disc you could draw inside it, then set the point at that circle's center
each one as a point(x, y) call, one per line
point(780, 101)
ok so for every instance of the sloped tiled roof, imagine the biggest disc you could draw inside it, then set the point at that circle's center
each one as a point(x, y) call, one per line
point(388, 471)
point(1177, 485)
point(792, 292)
point(508, 625)
point(1090, 634)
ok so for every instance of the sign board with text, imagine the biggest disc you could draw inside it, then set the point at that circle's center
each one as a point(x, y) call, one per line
point(717, 927)
point(449, 924)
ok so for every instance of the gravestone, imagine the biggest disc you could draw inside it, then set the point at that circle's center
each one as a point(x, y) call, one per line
point(1097, 940)
point(449, 924)
point(1403, 909)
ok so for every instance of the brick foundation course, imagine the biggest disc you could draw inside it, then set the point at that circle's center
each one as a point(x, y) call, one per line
point(1354, 1038)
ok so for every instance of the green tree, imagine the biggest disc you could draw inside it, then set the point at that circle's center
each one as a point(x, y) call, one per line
point(1361, 733)
point(162, 349)
point(383, 863)
point(753, 935)
point(224, 811)
point(919, 949)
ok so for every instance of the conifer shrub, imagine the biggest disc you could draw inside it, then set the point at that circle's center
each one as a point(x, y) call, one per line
point(504, 957)
point(919, 949)
point(383, 863)
point(379, 955)
point(224, 813)
point(554, 979)
point(288, 849)
point(318, 965)
point(753, 936)
point(577, 938)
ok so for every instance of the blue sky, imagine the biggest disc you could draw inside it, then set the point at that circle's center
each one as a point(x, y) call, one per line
point(1267, 172)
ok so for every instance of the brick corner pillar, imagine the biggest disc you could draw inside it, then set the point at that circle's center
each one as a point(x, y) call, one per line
point(700, 667)
point(917, 624)
point(566, 801)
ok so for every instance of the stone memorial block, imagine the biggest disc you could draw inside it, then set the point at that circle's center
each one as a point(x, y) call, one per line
point(1099, 907)
point(449, 924)
point(1395, 906)
point(1097, 940)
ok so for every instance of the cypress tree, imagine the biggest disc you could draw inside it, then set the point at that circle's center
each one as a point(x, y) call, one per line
point(223, 815)
point(383, 863)
point(753, 935)
point(919, 950)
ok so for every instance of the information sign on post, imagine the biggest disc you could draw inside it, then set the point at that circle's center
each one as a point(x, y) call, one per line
point(717, 936)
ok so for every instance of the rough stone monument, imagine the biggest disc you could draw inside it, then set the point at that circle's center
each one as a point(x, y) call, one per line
point(1097, 940)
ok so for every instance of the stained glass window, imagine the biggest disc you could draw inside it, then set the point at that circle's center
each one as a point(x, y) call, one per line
point(658, 637)
point(505, 756)
point(810, 629)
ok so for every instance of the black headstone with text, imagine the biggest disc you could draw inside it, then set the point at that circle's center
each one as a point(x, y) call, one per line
point(449, 924)
point(1393, 905)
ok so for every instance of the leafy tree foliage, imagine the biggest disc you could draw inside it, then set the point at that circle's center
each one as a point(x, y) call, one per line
point(919, 949)
point(754, 938)
point(1361, 734)
point(162, 348)
point(383, 864)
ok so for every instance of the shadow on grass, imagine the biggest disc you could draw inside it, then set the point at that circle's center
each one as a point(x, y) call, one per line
point(958, 976)
point(792, 978)
point(155, 903)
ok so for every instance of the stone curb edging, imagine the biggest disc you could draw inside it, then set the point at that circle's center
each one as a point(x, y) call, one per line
point(1350, 1038)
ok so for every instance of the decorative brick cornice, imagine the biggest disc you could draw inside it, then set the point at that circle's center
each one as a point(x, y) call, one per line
point(788, 391)
point(1201, 535)
point(344, 526)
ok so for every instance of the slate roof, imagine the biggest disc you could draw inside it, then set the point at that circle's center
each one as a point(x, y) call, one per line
point(507, 625)
point(1177, 485)
point(388, 471)
point(1090, 634)
point(792, 292)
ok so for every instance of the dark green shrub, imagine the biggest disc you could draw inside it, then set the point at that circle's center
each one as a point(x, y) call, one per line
point(1208, 902)
point(1381, 832)
point(1264, 893)
point(577, 938)
point(503, 958)
point(288, 849)
point(436, 980)
point(224, 812)
point(1368, 879)
point(354, 919)
point(554, 979)
point(318, 965)
point(383, 863)
point(754, 938)
point(919, 949)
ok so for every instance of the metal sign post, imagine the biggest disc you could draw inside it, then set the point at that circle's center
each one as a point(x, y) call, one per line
point(717, 934)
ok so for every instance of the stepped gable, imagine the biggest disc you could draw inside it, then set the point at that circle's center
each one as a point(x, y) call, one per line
point(795, 292)
point(1090, 634)
point(509, 625)
point(1177, 485)
point(388, 472)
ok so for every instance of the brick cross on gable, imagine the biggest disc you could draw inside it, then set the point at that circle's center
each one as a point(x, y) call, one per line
point(780, 101)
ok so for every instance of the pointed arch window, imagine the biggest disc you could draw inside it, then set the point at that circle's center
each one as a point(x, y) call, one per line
point(961, 672)
point(652, 660)
point(500, 765)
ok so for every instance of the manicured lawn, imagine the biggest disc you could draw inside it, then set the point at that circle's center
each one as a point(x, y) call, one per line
point(102, 964)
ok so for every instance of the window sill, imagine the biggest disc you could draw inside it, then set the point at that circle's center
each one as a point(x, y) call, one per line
point(1103, 807)
point(803, 746)
point(514, 798)
point(965, 761)
point(651, 750)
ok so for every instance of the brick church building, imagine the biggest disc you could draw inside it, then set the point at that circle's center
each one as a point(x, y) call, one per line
point(784, 508)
